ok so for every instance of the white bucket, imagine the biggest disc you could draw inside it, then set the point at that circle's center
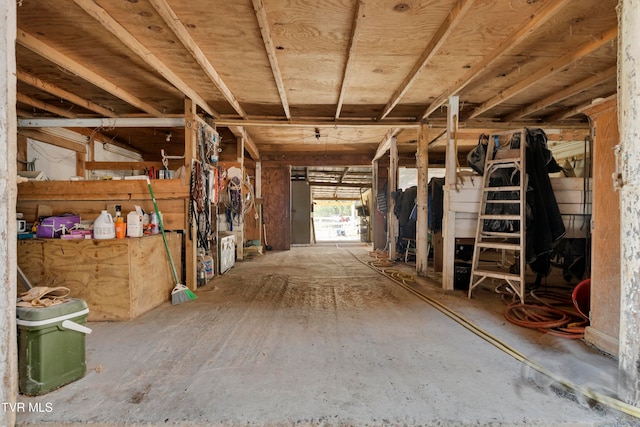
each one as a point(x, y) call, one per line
point(134, 224)
point(103, 227)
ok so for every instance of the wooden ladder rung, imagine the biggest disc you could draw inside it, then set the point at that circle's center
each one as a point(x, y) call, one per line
point(507, 235)
point(500, 217)
point(503, 201)
point(496, 275)
point(496, 245)
point(498, 189)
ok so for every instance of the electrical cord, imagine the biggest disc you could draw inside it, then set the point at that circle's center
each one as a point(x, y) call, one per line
point(609, 401)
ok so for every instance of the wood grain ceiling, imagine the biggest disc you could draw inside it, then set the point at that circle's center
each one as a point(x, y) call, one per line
point(283, 71)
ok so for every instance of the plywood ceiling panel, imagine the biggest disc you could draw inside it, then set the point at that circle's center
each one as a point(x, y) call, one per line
point(406, 58)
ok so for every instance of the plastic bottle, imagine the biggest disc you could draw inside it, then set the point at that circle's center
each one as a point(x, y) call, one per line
point(155, 229)
point(121, 228)
point(134, 224)
point(104, 227)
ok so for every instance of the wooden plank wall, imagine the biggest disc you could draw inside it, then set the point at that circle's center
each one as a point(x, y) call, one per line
point(465, 204)
point(89, 198)
point(119, 279)
point(276, 192)
point(605, 264)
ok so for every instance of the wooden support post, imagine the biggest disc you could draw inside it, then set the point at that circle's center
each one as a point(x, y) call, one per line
point(8, 340)
point(374, 204)
point(449, 216)
point(422, 226)
point(21, 155)
point(259, 200)
point(239, 231)
point(628, 181)
point(80, 164)
point(190, 153)
point(392, 220)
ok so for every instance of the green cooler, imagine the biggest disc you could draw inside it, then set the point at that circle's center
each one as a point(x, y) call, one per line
point(51, 350)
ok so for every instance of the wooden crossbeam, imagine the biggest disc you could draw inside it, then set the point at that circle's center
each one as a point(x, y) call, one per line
point(111, 25)
point(25, 99)
point(440, 37)
point(548, 70)
point(261, 15)
point(173, 21)
point(556, 97)
point(62, 60)
point(536, 20)
point(249, 144)
point(358, 17)
point(53, 89)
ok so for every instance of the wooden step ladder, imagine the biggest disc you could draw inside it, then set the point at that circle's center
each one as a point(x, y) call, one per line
point(503, 206)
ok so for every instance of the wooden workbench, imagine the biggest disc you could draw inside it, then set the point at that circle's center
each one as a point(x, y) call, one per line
point(119, 279)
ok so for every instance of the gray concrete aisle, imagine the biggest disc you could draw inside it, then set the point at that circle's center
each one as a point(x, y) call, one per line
point(309, 336)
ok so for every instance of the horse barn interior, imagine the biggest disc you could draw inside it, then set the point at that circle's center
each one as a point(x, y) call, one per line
point(270, 152)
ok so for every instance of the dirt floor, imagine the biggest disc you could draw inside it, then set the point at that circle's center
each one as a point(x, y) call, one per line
point(313, 336)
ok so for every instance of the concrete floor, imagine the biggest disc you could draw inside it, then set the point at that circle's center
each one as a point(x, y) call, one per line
point(312, 336)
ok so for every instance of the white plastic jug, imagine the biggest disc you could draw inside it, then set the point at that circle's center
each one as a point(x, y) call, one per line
point(134, 224)
point(207, 265)
point(104, 227)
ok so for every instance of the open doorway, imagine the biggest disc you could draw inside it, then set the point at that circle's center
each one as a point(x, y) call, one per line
point(338, 220)
point(332, 202)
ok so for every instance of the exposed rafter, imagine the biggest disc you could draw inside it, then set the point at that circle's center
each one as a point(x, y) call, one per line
point(261, 15)
point(556, 97)
point(60, 59)
point(122, 122)
point(173, 21)
point(100, 15)
point(44, 106)
point(317, 123)
point(385, 145)
point(249, 144)
point(339, 184)
point(446, 28)
point(548, 70)
point(341, 179)
point(358, 17)
point(535, 21)
point(44, 136)
point(580, 109)
point(52, 89)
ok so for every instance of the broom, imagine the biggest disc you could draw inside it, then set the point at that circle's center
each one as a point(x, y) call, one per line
point(180, 293)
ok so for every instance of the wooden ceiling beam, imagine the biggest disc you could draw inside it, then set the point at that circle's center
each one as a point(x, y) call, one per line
point(556, 97)
point(52, 89)
point(310, 159)
point(536, 20)
point(548, 70)
point(385, 144)
point(25, 99)
point(263, 22)
point(121, 122)
point(317, 123)
point(341, 179)
point(175, 24)
point(111, 25)
point(355, 29)
point(337, 185)
point(439, 38)
point(249, 144)
point(58, 58)
point(53, 140)
point(580, 109)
